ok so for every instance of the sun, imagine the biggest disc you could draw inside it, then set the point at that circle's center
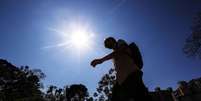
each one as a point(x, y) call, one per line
point(76, 36)
point(80, 38)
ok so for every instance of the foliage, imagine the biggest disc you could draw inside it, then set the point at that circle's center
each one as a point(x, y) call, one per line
point(24, 84)
point(19, 84)
point(192, 47)
point(75, 92)
point(78, 92)
point(54, 94)
point(105, 85)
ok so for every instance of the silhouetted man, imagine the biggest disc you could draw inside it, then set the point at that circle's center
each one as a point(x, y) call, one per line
point(129, 85)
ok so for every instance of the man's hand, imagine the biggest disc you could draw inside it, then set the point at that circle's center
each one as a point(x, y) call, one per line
point(95, 62)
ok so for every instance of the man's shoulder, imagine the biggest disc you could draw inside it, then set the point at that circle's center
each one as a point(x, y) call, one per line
point(122, 45)
point(121, 42)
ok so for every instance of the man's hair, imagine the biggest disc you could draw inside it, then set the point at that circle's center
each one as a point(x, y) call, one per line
point(110, 43)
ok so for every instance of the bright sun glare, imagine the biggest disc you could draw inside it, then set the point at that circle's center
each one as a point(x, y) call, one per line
point(77, 36)
point(80, 38)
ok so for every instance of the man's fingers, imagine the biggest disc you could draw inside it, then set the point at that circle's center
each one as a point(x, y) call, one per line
point(93, 63)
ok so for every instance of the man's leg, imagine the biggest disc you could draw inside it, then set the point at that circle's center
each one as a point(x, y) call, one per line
point(135, 87)
point(119, 93)
point(115, 93)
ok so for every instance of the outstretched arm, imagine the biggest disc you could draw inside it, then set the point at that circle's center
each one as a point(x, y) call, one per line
point(101, 60)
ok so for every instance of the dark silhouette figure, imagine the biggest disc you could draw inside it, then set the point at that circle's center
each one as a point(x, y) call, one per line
point(128, 63)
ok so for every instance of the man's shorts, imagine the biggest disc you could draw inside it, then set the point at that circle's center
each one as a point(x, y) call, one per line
point(132, 88)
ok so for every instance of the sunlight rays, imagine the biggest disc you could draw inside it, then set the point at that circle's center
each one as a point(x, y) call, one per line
point(76, 36)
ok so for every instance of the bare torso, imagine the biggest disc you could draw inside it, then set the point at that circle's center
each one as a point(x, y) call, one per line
point(124, 64)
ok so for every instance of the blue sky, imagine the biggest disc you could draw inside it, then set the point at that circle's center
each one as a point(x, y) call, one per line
point(158, 27)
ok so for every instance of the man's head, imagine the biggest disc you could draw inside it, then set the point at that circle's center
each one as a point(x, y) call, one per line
point(110, 43)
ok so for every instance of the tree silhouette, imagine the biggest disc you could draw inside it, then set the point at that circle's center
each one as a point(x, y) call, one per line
point(54, 94)
point(75, 92)
point(105, 85)
point(23, 84)
point(19, 84)
point(192, 47)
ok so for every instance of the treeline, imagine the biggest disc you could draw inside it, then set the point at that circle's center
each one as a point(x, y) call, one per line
point(24, 84)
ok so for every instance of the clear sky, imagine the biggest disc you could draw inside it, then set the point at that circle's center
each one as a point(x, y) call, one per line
point(30, 34)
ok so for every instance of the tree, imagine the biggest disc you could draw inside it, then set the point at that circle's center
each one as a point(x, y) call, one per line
point(75, 92)
point(19, 84)
point(23, 84)
point(54, 93)
point(192, 47)
point(105, 85)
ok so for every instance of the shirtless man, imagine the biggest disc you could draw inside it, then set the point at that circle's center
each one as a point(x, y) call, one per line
point(129, 86)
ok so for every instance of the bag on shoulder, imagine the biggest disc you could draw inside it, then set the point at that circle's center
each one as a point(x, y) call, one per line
point(136, 55)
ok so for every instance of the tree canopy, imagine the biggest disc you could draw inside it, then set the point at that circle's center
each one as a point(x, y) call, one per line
point(24, 84)
point(19, 84)
point(192, 47)
point(105, 85)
